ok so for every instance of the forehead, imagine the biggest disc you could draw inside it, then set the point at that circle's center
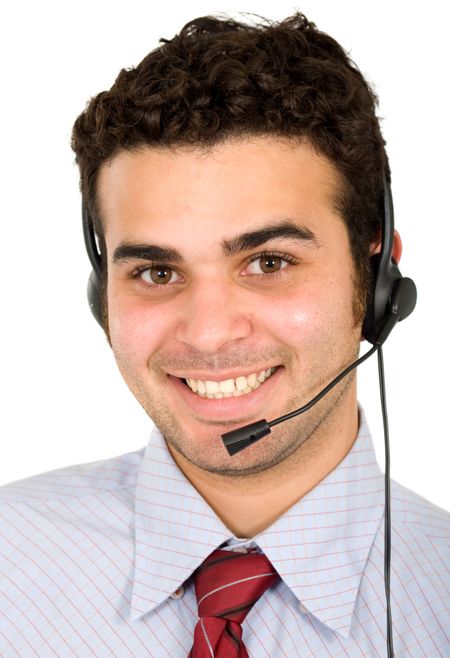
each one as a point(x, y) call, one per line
point(215, 193)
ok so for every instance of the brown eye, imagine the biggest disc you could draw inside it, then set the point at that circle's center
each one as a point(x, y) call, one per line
point(267, 264)
point(158, 275)
point(270, 264)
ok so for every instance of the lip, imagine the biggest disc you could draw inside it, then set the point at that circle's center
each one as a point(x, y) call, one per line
point(232, 409)
point(207, 376)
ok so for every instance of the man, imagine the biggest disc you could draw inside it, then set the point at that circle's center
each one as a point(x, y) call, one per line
point(235, 180)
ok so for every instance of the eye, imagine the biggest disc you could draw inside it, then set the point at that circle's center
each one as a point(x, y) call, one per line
point(269, 263)
point(157, 275)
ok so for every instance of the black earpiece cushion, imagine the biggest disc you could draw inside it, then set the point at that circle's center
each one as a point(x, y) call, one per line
point(94, 295)
point(383, 304)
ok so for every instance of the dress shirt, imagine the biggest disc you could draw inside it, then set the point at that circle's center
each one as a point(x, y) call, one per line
point(96, 561)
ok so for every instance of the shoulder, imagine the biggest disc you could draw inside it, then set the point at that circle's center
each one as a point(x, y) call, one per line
point(89, 479)
point(420, 579)
point(51, 515)
point(62, 531)
point(418, 515)
point(420, 547)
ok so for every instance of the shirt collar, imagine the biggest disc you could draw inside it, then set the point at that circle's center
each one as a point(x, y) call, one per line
point(319, 547)
point(175, 528)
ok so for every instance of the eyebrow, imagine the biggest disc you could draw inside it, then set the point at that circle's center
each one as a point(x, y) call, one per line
point(239, 243)
point(152, 252)
point(283, 229)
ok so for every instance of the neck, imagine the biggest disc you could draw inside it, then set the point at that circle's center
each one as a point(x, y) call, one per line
point(247, 505)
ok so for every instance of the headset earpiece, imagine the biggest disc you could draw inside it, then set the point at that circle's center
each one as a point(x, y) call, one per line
point(95, 297)
point(393, 296)
point(94, 288)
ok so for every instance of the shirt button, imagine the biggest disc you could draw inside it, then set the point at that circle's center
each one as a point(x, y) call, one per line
point(303, 609)
point(178, 593)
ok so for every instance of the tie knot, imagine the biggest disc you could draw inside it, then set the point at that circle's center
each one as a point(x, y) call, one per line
point(228, 584)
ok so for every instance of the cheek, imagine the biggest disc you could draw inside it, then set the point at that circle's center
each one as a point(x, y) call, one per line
point(316, 314)
point(136, 330)
point(309, 317)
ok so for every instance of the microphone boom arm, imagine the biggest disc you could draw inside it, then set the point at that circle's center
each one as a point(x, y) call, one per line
point(242, 437)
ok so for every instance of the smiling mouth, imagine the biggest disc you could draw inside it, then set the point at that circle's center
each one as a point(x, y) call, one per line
point(228, 388)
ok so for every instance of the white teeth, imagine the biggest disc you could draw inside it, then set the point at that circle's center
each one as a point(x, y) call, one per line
point(211, 387)
point(193, 384)
point(241, 383)
point(229, 387)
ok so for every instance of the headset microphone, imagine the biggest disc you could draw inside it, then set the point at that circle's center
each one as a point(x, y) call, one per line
point(393, 298)
point(242, 437)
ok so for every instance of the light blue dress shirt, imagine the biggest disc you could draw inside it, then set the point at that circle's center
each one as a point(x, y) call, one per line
point(96, 560)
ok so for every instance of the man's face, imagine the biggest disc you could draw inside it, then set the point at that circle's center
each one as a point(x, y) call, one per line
point(229, 269)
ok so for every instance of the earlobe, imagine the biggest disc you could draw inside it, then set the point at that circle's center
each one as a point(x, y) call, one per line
point(397, 247)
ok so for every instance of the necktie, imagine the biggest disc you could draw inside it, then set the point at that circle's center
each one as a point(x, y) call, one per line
point(227, 585)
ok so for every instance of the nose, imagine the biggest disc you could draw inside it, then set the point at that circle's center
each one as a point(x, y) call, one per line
point(214, 314)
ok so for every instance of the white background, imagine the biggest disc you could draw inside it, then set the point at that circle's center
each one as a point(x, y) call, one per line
point(63, 401)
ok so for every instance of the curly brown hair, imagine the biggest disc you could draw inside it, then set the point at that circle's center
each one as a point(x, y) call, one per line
point(219, 79)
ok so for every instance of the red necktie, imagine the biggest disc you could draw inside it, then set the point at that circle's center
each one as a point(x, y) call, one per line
point(227, 585)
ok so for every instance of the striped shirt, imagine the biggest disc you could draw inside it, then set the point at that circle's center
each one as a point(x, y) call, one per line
point(96, 560)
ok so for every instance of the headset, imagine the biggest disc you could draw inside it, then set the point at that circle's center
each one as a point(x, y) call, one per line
point(391, 299)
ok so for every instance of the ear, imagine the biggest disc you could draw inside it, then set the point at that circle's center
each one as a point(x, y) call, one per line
point(397, 247)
